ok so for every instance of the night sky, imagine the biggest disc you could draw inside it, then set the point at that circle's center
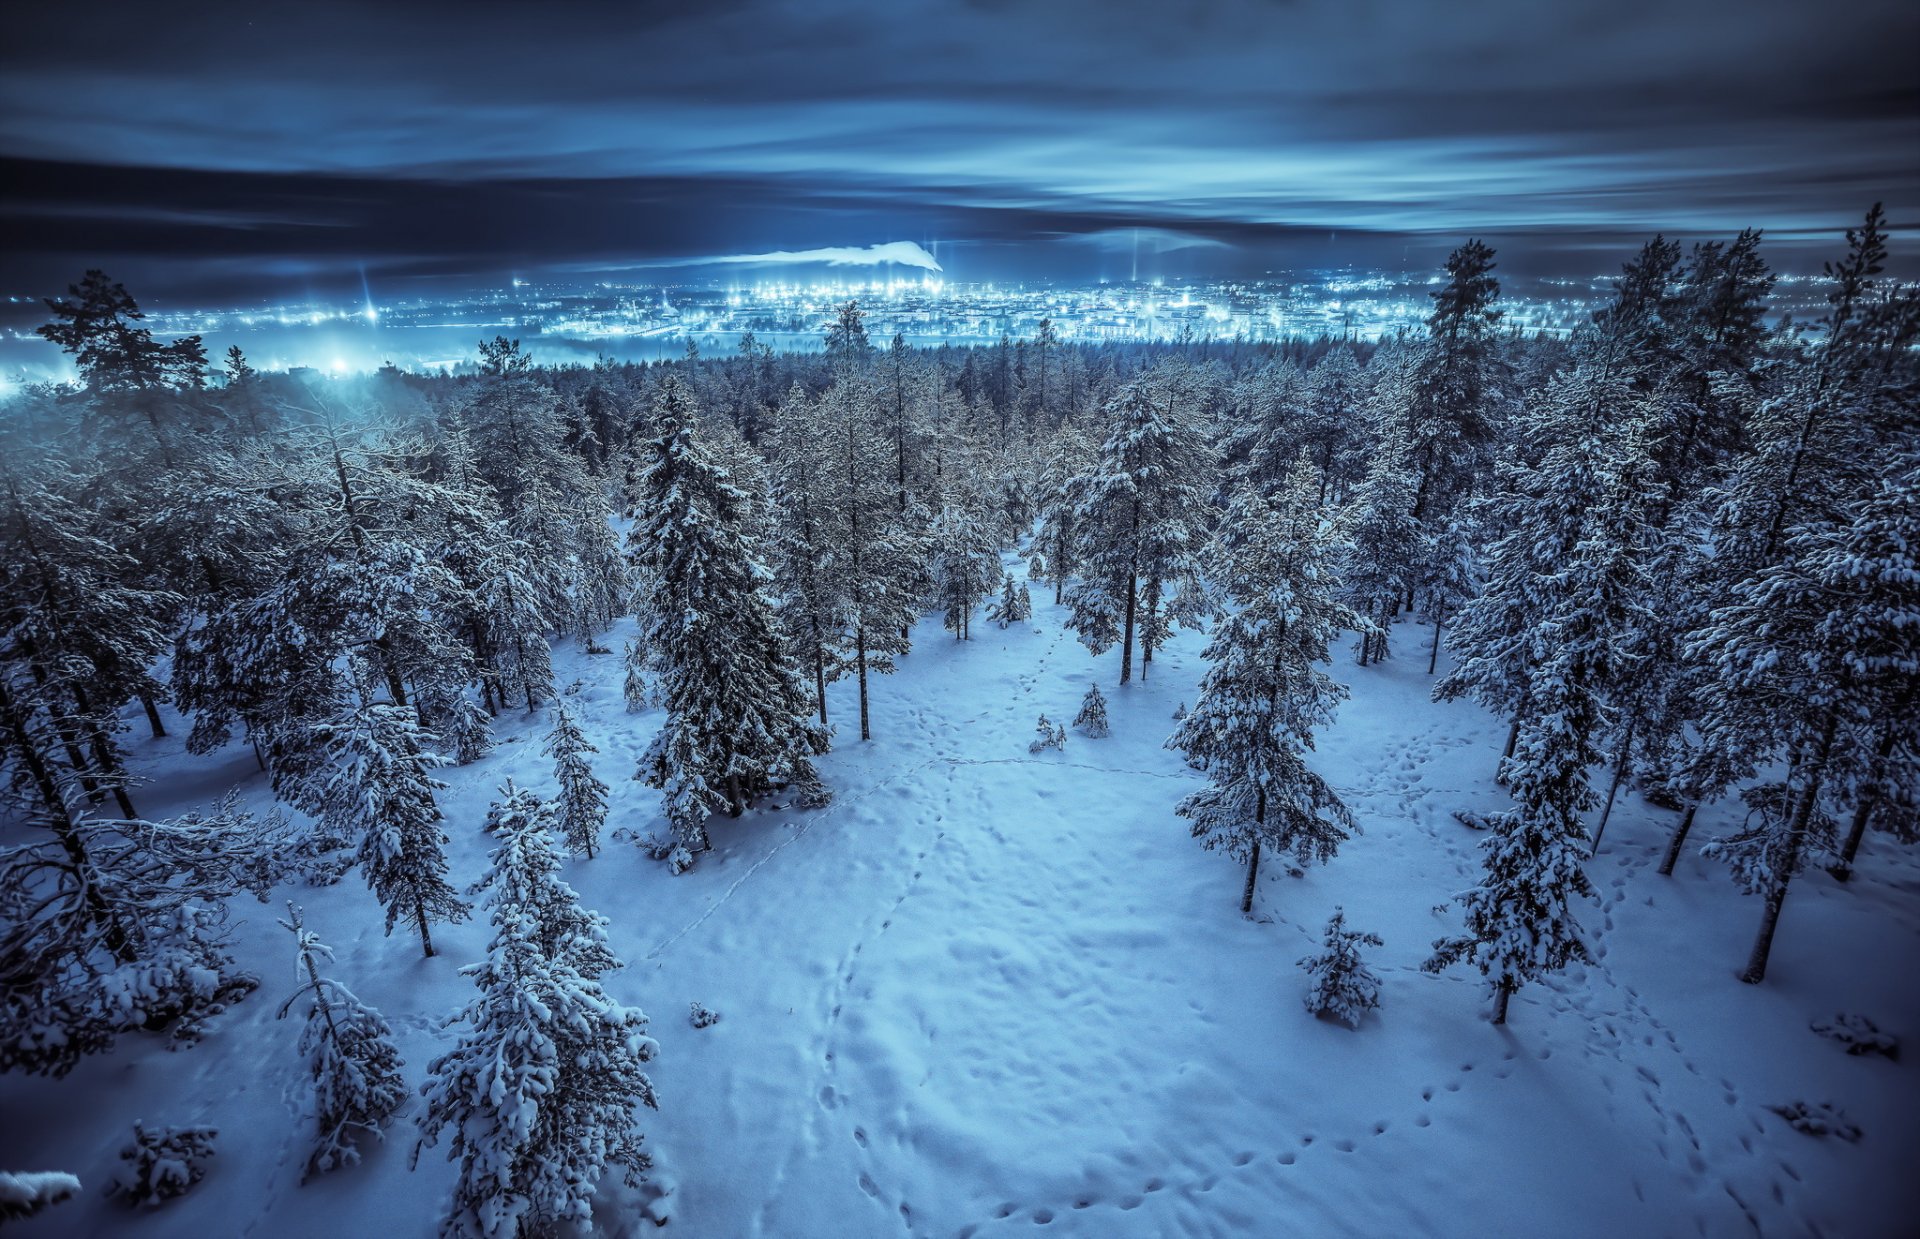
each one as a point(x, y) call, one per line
point(234, 150)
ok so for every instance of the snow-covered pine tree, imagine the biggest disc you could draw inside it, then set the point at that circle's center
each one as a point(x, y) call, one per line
point(1343, 986)
point(1450, 580)
point(366, 778)
point(114, 926)
point(1265, 692)
point(542, 1089)
point(350, 1056)
point(1136, 519)
point(1015, 605)
point(813, 603)
point(517, 628)
point(1808, 656)
point(1049, 735)
point(633, 684)
point(527, 872)
point(582, 804)
point(1092, 719)
point(966, 560)
point(737, 721)
point(881, 555)
point(1520, 922)
point(1385, 547)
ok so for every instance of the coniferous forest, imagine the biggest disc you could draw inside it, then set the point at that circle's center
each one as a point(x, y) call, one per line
point(1490, 753)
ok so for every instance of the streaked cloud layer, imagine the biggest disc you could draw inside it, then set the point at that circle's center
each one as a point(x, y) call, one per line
point(752, 126)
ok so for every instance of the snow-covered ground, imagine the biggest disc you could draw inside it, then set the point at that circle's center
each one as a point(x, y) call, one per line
point(984, 991)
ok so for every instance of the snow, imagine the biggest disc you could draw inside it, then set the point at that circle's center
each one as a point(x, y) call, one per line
point(985, 989)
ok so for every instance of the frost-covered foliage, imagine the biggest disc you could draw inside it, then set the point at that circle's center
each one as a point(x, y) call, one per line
point(1265, 691)
point(351, 1062)
point(1050, 735)
point(160, 1164)
point(1343, 986)
point(1092, 719)
point(366, 777)
point(540, 1094)
point(116, 926)
point(467, 731)
point(701, 1017)
point(25, 1193)
point(582, 806)
point(736, 725)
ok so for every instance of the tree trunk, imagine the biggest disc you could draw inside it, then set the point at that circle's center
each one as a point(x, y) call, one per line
point(1678, 841)
point(860, 661)
point(1756, 970)
point(1613, 788)
point(1501, 993)
point(1842, 870)
point(820, 683)
point(1862, 814)
point(1433, 658)
point(420, 919)
point(1126, 642)
point(1253, 875)
point(60, 821)
point(153, 717)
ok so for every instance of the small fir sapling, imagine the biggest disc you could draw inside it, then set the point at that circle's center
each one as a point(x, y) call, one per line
point(582, 804)
point(701, 1017)
point(1051, 736)
point(158, 1165)
point(1180, 712)
point(1343, 986)
point(1092, 719)
point(350, 1056)
point(1015, 604)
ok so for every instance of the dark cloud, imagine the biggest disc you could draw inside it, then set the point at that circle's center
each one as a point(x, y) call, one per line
point(444, 139)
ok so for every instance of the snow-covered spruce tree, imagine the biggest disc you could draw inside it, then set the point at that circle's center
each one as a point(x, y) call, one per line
point(366, 778)
point(1337, 389)
point(1450, 580)
point(76, 624)
point(517, 631)
point(1049, 735)
point(1092, 719)
point(1136, 516)
point(1263, 432)
point(527, 873)
point(1519, 920)
point(114, 926)
point(541, 1091)
point(1455, 398)
point(807, 541)
point(1015, 605)
point(633, 683)
point(1385, 547)
point(966, 561)
point(1808, 656)
point(1265, 692)
point(351, 1060)
point(583, 798)
point(1343, 986)
point(881, 555)
point(737, 723)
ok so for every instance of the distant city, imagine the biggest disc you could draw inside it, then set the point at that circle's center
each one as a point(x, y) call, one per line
point(577, 323)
